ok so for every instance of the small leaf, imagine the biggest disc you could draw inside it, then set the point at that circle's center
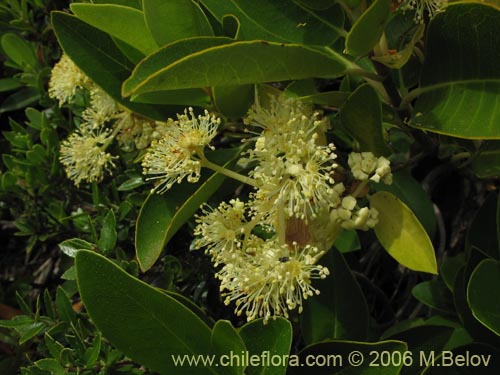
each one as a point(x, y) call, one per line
point(361, 116)
point(482, 294)
point(274, 338)
point(340, 310)
point(8, 84)
point(172, 20)
point(368, 28)
point(51, 365)
point(402, 235)
point(161, 217)
point(107, 239)
point(347, 241)
point(19, 50)
point(436, 295)
point(20, 99)
point(229, 64)
point(144, 323)
point(71, 247)
point(225, 339)
point(64, 308)
point(111, 19)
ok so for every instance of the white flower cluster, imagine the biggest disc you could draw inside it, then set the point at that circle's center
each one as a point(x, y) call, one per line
point(175, 155)
point(83, 154)
point(422, 6)
point(297, 200)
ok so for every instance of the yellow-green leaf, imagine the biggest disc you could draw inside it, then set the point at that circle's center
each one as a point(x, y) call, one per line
point(402, 235)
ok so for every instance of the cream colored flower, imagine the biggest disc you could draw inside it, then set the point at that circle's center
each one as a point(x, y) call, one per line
point(174, 157)
point(269, 279)
point(102, 108)
point(422, 6)
point(65, 79)
point(83, 156)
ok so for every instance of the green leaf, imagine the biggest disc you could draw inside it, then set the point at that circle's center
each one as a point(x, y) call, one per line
point(460, 83)
point(368, 28)
point(347, 241)
point(19, 50)
point(172, 20)
point(230, 64)
point(486, 164)
point(51, 365)
point(129, 3)
point(361, 116)
point(8, 84)
point(144, 323)
point(338, 353)
point(71, 247)
point(482, 233)
point(107, 239)
point(482, 294)
point(20, 99)
point(450, 268)
point(436, 295)
point(340, 310)
point(402, 235)
point(225, 339)
point(187, 97)
point(95, 53)
point(64, 308)
point(278, 21)
point(112, 18)
point(161, 217)
point(233, 101)
point(274, 337)
point(410, 191)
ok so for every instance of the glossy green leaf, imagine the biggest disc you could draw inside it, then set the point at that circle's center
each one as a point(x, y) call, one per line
point(460, 83)
point(339, 353)
point(108, 235)
point(450, 268)
point(402, 235)
point(51, 365)
point(161, 216)
point(318, 4)
point(482, 294)
point(229, 64)
point(70, 247)
point(112, 18)
point(487, 164)
point(347, 241)
point(186, 97)
point(129, 3)
point(233, 101)
point(361, 116)
point(20, 99)
point(436, 295)
point(340, 310)
point(410, 191)
point(8, 84)
point(95, 53)
point(368, 28)
point(19, 50)
point(64, 308)
point(172, 20)
point(482, 233)
point(225, 339)
point(278, 21)
point(274, 337)
point(144, 323)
